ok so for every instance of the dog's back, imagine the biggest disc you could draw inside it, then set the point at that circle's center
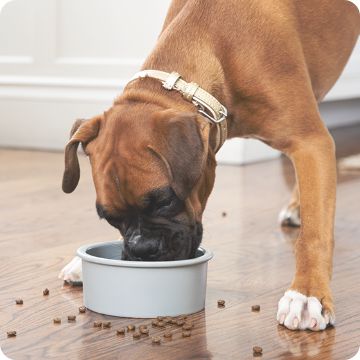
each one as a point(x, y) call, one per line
point(328, 31)
point(279, 35)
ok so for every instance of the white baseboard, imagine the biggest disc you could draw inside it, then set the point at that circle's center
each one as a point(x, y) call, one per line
point(37, 112)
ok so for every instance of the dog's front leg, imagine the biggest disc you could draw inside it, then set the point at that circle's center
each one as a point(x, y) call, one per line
point(72, 272)
point(308, 302)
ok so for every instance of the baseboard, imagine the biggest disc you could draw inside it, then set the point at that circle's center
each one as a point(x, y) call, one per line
point(52, 104)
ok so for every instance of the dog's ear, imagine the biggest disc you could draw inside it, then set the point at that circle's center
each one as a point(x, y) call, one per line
point(183, 149)
point(83, 131)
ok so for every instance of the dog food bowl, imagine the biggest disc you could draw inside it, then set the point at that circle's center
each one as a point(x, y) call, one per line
point(141, 289)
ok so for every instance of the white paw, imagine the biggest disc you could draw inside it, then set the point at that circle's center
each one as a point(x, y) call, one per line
point(290, 216)
point(299, 312)
point(72, 272)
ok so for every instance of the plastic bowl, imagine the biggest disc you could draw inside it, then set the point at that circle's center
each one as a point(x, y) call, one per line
point(141, 289)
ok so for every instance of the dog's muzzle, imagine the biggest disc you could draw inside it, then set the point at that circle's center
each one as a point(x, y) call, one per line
point(171, 242)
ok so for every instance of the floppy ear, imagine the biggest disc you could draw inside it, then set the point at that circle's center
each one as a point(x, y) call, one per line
point(184, 150)
point(82, 131)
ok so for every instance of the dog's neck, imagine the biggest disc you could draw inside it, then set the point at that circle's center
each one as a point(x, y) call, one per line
point(191, 56)
point(151, 93)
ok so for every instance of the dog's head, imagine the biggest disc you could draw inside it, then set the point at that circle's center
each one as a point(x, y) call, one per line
point(153, 172)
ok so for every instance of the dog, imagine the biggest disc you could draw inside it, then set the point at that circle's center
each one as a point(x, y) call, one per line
point(260, 68)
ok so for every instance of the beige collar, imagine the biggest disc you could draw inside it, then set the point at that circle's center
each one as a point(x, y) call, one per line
point(206, 104)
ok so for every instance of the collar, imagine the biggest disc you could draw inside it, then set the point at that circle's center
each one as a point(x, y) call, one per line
point(207, 105)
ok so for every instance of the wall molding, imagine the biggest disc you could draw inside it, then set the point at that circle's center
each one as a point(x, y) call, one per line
point(99, 61)
point(17, 60)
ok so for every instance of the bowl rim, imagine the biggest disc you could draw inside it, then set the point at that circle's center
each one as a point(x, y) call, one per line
point(81, 252)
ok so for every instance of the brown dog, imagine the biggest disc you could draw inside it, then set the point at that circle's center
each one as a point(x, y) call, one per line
point(152, 153)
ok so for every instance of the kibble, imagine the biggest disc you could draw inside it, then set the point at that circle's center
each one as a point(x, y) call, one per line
point(97, 324)
point(173, 321)
point(168, 334)
point(143, 327)
point(19, 301)
point(156, 340)
point(155, 323)
point(136, 335)
point(46, 292)
point(180, 322)
point(120, 331)
point(168, 320)
point(161, 323)
point(131, 328)
point(11, 333)
point(255, 308)
point(71, 318)
point(221, 303)
point(186, 333)
point(160, 318)
point(57, 320)
point(257, 351)
point(106, 324)
point(187, 326)
point(144, 331)
point(82, 309)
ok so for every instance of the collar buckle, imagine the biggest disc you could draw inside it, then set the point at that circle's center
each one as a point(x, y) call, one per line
point(207, 111)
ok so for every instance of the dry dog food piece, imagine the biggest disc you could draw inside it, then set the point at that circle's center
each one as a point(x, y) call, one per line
point(57, 320)
point(106, 324)
point(97, 324)
point(161, 323)
point(168, 319)
point(156, 340)
point(71, 318)
point(257, 351)
point(131, 328)
point(187, 326)
point(155, 323)
point(255, 308)
point(136, 335)
point(120, 331)
point(180, 322)
point(221, 303)
point(46, 292)
point(142, 327)
point(168, 334)
point(186, 333)
point(144, 331)
point(19, 301)
point(82, 309)
point(160, 318)
point(11, 333)
point(173, 321)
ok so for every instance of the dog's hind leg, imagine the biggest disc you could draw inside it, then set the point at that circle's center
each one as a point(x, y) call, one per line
point(290, 214)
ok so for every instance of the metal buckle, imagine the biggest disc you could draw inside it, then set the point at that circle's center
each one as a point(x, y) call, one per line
point(205, 110)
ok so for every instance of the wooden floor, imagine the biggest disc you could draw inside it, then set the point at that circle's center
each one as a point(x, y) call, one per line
point(40, 229)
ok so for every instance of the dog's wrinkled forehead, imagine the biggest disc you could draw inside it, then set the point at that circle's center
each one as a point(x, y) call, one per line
point(128, 179)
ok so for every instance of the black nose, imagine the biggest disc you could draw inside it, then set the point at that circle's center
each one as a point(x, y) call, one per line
point(141, 247)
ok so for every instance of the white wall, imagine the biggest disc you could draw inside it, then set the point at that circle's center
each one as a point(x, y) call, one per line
point(66, 59)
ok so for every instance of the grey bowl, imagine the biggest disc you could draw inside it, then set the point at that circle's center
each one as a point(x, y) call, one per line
point(141, 289)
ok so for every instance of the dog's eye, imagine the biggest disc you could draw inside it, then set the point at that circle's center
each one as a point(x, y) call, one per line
point(165, 203)
point(169, 208)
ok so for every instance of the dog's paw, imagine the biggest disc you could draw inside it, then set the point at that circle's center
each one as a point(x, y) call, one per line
point(72, 272)
point(299, 312)
point(290, 216)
